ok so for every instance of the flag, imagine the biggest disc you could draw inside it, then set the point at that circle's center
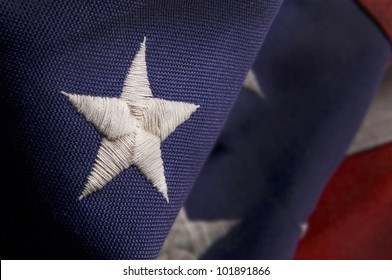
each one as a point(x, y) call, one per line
point(317, 72)
point(108, 110)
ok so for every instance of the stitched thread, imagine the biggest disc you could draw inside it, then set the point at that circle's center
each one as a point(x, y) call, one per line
point(133, 127)
point(111, 117)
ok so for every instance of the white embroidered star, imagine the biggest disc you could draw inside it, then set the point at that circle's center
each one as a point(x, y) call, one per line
point(132, 128)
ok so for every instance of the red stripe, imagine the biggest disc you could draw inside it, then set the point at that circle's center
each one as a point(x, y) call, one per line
point(381, 11)
point(353, 219)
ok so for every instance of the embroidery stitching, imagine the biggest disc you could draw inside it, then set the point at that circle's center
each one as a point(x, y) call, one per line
point(132, 128)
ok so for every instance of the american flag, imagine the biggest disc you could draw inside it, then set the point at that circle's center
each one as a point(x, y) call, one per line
point(115, 115)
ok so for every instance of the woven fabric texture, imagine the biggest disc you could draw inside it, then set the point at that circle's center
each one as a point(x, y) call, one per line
point(197, 52)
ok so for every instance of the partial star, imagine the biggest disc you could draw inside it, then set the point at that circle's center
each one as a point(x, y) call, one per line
point(132, 128)
point(252, 84)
